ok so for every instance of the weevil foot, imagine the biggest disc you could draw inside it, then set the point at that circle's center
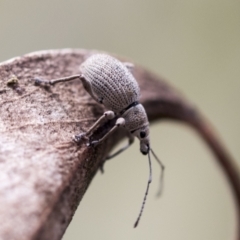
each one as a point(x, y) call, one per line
point(79, 137)
point(92, 144)
point(39, 81)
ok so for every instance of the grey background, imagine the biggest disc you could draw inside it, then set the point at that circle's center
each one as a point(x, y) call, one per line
point(196, 45)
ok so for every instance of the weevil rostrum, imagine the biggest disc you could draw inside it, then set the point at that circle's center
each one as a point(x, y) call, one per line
point(111, 83)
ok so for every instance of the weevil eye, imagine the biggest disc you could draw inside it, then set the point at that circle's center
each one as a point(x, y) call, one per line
point(142, 134)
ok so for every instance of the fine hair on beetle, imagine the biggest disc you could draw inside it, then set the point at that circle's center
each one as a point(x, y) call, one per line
point(111, 83)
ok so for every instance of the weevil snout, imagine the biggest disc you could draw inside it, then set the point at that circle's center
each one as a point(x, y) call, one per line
point(144, 147)
point(143, 135)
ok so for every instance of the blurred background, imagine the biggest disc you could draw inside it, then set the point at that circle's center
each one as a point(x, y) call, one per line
point(196, 46)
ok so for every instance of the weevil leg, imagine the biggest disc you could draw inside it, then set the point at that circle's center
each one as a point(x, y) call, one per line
point(87, 86)
point(119, 123)
point(130, 142)
point(108, 115)
point(54, 81)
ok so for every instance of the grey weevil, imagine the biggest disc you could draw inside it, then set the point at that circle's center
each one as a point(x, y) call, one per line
point(111, 83)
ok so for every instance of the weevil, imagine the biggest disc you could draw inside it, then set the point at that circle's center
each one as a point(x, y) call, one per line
point(111, 83)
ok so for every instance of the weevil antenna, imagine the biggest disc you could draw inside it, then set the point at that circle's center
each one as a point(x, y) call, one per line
point(146, 193)
point(161, 175)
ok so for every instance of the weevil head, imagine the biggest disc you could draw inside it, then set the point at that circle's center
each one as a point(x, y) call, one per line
point(136, 122)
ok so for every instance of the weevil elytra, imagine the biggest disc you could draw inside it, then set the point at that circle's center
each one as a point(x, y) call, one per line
point(111, 83)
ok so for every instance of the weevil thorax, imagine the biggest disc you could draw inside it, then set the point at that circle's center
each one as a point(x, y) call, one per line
point(136, 122)
point(111, 81)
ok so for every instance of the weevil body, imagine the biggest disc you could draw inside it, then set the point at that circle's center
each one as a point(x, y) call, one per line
point(110, 82)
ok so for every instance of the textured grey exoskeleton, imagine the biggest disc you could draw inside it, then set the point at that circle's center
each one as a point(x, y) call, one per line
point(111, 83)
